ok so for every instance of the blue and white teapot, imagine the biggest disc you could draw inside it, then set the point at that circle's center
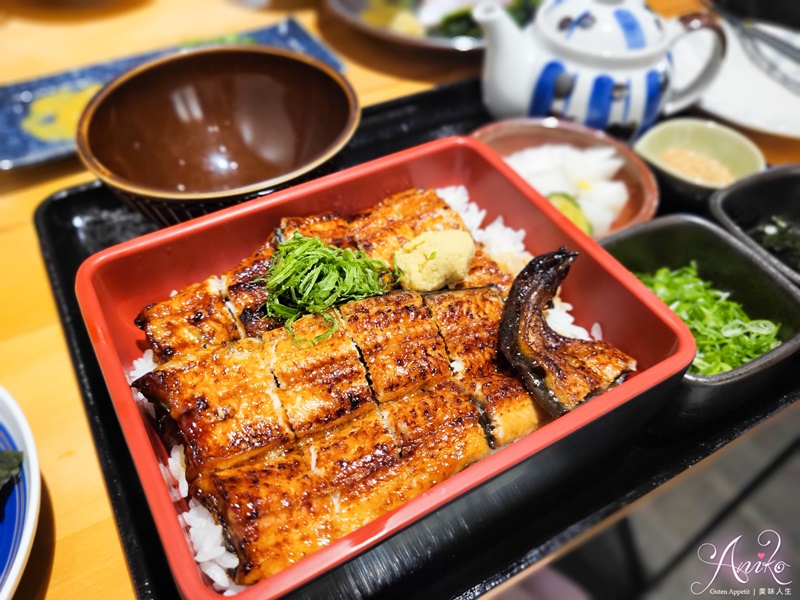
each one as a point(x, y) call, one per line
point(605, 63)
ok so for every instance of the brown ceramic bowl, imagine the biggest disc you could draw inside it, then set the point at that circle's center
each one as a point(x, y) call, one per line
point(196, 131)
point(512, 135)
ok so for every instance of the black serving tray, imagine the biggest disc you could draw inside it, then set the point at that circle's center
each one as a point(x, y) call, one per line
point(507, 528)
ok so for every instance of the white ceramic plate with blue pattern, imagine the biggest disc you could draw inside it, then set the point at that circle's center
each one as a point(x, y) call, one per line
point(19, 498)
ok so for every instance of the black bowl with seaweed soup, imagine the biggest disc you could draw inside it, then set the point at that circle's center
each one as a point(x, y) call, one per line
point(767, 201)
point(729, 265)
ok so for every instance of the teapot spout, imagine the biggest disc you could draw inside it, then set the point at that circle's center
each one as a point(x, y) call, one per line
point(496, 23)
point(506, 53)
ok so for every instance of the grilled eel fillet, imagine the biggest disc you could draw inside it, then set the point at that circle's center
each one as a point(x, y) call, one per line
point(561, 372)
point(469, 321)
point(310, 451)
point(230, 306)
point(381, 231)
point(202, 314)
point(258, 394)
point(281, 508)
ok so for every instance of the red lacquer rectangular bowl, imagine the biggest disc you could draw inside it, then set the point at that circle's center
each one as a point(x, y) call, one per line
point(114, 285)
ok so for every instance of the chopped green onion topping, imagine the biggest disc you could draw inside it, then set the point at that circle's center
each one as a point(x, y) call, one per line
point(308, 276)
point(726, 337)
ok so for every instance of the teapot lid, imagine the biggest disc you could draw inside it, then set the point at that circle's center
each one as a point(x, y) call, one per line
point(602, 26)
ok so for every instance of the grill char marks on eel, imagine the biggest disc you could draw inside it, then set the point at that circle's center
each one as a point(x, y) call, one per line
point(381, 231)
point(232, 305)
point(429, 413)
point(399, 343)
point(252, 395)
point(469, 321)
point(246, 294)
point(320, 385)
point(223, 402)
point(329, 458)
point(292, 449)
point(433, 422)
point(561, 372)
point(196, 317)
point(331, 228)
point(213, 312)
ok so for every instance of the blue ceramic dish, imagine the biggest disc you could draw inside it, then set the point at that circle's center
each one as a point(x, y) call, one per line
point(19, 498)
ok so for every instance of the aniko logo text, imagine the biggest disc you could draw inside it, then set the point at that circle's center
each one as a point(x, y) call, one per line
point(735, 561)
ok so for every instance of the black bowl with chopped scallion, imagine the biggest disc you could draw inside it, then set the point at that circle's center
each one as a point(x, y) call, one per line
point(743, 313)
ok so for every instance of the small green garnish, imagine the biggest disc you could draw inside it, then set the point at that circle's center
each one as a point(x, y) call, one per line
point(570, 208)
point(460, 22)
point(308, 276)
point(726, 337)
point(10, 463)
point(781, 238)
point(229, 38)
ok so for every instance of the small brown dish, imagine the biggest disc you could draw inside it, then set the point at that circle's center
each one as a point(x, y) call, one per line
point(513, 135)
point(196, 131)
point(756, 202)
point(676, 240)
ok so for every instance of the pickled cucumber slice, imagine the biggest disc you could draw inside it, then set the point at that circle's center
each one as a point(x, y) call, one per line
point(570, 209)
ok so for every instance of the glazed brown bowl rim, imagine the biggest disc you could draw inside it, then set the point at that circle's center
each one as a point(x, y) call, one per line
point(650, 186)
point(100, 170)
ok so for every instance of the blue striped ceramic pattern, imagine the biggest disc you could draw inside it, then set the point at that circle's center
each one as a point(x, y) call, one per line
point(13, 499)
point(600, 101)
point(653, 102)
point(19, 148)
point(631, 29)
point(575, 24)
point(544, 90)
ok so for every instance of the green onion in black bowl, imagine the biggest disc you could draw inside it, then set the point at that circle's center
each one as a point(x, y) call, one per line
point(711, 254)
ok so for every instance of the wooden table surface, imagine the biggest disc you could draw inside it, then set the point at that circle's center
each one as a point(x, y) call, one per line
point(77, 552)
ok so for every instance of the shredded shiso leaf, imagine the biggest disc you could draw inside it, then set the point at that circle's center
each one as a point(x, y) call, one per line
point(308, 276)
point(726, 337)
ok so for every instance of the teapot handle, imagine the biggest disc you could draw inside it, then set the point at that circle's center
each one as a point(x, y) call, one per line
point(690, 93)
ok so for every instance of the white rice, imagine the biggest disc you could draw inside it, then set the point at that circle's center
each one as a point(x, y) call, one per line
point(562, 322)
point(504, 244)
point(142, 366)
point(457, 367)
point(177, 468)
point(210, 552)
